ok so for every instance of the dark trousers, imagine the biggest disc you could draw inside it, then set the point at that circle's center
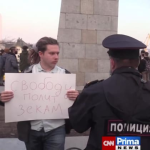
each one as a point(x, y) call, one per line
point(52, 140)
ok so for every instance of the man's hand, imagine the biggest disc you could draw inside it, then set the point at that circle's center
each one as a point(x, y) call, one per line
point(72, 94)
point(6, 96)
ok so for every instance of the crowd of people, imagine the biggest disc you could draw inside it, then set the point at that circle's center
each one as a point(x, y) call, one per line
point(9, 63)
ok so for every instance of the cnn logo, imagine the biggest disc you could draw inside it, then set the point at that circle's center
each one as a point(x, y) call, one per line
point(108, 143)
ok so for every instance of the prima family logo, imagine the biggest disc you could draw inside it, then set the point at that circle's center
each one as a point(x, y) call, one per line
point(121, 143)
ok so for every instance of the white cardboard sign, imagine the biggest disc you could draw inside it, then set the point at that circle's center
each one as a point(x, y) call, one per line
point(38, 96)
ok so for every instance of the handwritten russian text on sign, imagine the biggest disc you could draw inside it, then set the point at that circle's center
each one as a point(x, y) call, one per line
point(38, 96)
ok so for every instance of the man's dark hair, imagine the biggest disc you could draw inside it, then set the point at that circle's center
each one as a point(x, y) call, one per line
point(142, 51)
point(12, 49)
point(41, 45)
point(146, 54)
point(1, 52)
point(25, 47)
point(43, 42)
point(127, 62)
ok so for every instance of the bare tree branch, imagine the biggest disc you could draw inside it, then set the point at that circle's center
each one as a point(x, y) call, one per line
point(7, 41)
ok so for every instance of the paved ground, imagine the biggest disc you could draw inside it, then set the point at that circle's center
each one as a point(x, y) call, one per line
point(15, 144)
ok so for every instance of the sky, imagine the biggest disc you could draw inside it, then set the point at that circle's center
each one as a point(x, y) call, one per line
point(29, 19)
point(33, 19)
point(134, 18)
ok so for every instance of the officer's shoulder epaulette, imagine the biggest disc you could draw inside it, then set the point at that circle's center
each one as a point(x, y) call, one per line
point(92, 83)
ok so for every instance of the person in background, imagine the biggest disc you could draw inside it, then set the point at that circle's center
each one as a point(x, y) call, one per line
point(11, 64)
point(4, 55)
point(147, 59)
point(1, 68)
point(24, 63)
point(142, 65)
point(6, 51)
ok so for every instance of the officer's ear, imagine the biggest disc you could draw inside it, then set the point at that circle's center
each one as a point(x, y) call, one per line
point(112, 64)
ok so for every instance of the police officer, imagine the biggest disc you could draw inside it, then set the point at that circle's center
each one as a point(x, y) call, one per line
point(119, 105)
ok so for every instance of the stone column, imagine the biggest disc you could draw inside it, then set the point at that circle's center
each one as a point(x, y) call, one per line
point(83, 26)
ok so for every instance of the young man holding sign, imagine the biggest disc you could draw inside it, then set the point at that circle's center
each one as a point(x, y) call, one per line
point(43, 134)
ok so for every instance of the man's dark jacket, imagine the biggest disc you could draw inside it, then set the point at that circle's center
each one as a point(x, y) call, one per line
point(1, 65)
point(142, 65)
point(11, 64)
point(24, 60)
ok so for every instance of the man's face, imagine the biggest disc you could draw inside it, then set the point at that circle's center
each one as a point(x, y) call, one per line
point(15, 51)
point(50, 56)
point(143, 54)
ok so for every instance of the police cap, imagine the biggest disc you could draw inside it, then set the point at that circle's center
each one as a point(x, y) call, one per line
point(123, 46)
